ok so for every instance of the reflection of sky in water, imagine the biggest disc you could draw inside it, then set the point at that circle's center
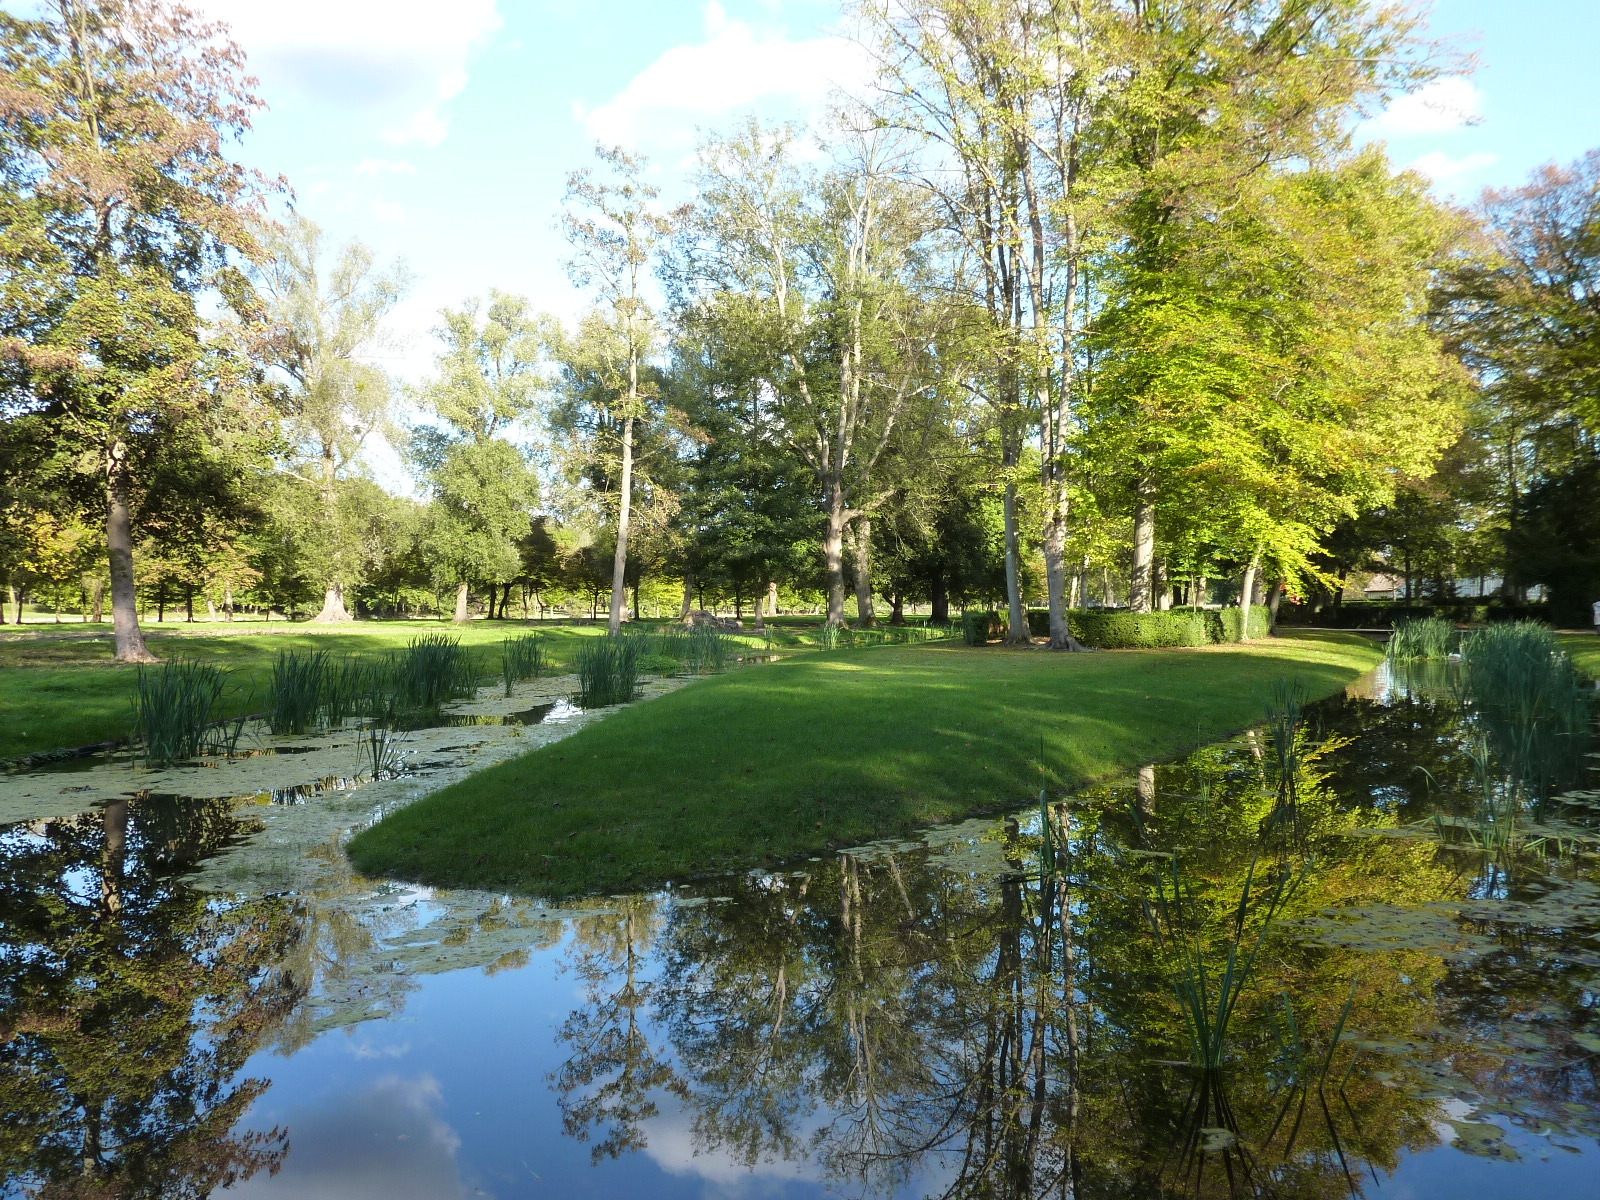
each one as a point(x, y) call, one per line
point(453, 1098)
point(457, 1091)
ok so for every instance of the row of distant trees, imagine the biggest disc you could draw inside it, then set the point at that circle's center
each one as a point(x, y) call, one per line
point(1089, 302)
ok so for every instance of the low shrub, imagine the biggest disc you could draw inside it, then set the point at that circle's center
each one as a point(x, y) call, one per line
point(980, 628)
point(1117, 629)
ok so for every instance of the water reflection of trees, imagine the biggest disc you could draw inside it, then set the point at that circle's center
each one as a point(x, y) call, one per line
point(129, 1003)
point(1011, 1031)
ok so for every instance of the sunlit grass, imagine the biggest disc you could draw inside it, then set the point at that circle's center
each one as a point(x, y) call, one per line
point(789, 757)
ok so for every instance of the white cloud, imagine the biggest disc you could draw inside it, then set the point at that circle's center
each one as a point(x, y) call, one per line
point(1439, 166)
point(1442, 106)
point(735, 68)
point(383, 166)
point(404, 58)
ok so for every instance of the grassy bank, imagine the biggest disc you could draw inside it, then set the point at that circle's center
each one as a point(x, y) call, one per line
point(830, 749)
point(57, 692)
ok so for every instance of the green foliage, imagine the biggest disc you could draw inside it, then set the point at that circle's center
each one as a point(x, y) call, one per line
point(1421, 637)
point(175, 709)
point(980, 628)
point(1119, 629)
point(608, 671)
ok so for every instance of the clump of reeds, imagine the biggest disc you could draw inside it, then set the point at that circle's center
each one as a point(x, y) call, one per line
point(382, 752)
point(706, 651)
point(297, 694)
point(1421, 637)
point(829, 637)
point(433, 668)
point(1285, 711)
point(1530, 703)
point(608, 671)
point(174, 710)
point(522, 658)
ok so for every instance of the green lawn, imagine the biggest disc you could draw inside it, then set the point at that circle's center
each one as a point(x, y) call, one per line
point(1585, 651)
point(830, 749)
point(58, 692)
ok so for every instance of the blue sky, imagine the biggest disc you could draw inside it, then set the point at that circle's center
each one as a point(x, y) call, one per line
point(442, 133)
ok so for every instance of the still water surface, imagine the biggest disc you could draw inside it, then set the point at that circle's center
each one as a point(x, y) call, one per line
point(1374, 972)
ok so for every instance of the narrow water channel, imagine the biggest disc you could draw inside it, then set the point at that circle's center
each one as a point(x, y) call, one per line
point(1376, 973)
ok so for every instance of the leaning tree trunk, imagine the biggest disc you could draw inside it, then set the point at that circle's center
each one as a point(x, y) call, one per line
point(461, 603)
point(119, 541)
point(688, 596)
point(833, 552)
point(866, 614)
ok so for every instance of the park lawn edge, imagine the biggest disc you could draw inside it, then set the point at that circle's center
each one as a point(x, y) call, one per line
point(696, 783)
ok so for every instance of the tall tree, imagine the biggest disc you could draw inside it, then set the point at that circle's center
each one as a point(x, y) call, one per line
point(483, 489)
point(614, 228)
point(113, 119)
point(328, 312)
point(822, 281)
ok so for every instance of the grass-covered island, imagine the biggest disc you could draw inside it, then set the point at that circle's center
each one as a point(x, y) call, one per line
point(831, 749)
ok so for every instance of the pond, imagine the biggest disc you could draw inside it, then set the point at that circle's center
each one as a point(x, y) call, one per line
point(1353, 954)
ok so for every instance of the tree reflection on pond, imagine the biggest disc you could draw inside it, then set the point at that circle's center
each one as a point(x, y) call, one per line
point(1316, 1008)
point(129, 1003)
point(1279, 967)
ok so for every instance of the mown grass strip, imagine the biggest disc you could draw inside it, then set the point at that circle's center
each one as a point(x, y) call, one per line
point(830, 749)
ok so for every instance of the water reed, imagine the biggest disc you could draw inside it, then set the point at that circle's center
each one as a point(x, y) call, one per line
point(1530, 703)
point(608, 671)
point(1421, 638)
point(297, 692)
point(175, 709)
point(522, 658)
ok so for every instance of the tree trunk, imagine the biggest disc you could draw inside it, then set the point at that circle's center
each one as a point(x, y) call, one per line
point(119, 541)
point(227, 602)
point(461, 603)
point(211, 610)
point(897, 614)
point(688, 596)
point(1274, 599)
point(1247, 594)
point(333, 607)
point(188, 605)
point(833, 552)
point(1144, 546)
point(938, 600)
point(1017, 623)
point(1162, 585)
point(619, 562)
point(772, 597)
point(866, 614)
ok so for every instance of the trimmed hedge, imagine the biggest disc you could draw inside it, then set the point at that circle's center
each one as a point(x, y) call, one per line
point(1365, 614)
point(1119, 629)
